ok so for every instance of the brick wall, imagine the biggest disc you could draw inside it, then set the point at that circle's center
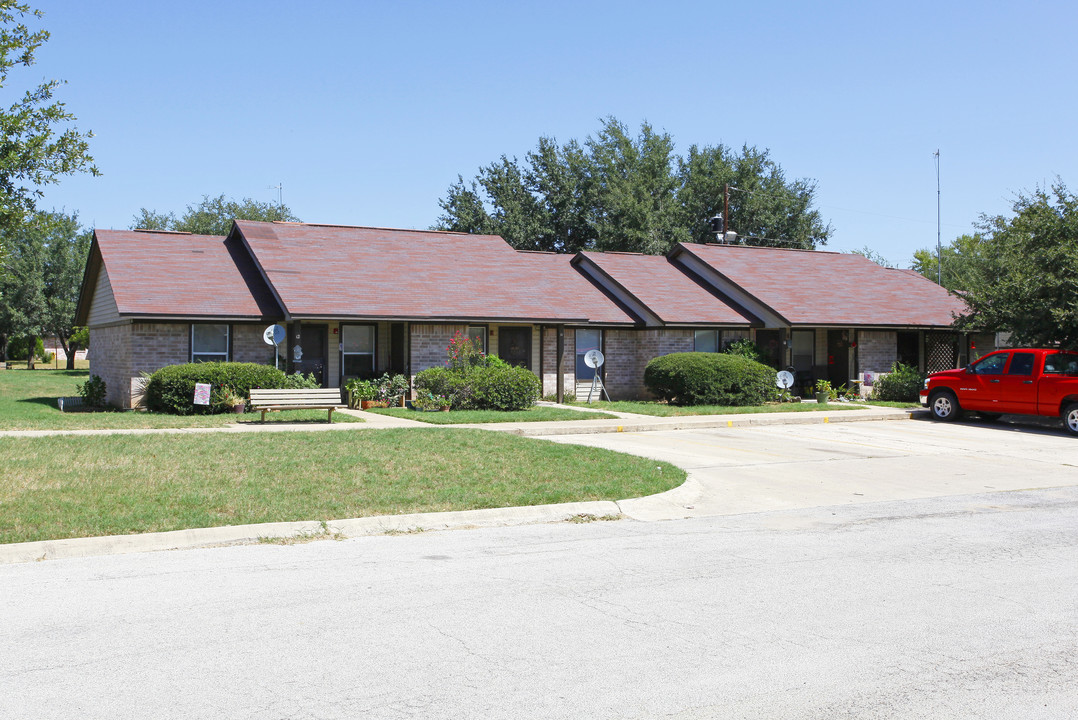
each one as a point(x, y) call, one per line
point(877, 350)
point(428, 344)
point(248, 345)
point(628, 352)
point(110, 359)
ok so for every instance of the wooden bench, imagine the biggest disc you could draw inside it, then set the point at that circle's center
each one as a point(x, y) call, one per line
point(317, 399)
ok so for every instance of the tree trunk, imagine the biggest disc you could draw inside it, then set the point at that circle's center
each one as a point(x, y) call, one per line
point(69, 352)
point(31, 346)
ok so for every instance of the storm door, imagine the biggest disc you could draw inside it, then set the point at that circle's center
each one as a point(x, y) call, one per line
point(515, 346)
point(311, 357)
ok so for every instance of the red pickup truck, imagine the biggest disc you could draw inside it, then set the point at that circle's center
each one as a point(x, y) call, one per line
point(1020, 381)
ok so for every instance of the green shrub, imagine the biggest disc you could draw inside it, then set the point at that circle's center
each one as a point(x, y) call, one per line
point(172, 389)
point(709, 379)
point(92, 392)
point(299, 381)
point(502, 387)
point(745, 348)
point(493, 385)
point(903, 384)
point(17, 347)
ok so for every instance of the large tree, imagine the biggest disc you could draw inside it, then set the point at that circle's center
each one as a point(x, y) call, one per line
point(618, 192)
point(38, 143)
point(213, 216)
point(1025, 280)
point(960, 260)
point(47, 258)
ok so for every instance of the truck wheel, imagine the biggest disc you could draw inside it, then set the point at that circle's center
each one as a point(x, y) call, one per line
point(1070, 418)
point(944, 406)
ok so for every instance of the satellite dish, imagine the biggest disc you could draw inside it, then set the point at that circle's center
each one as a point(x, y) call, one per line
point(784, 379)
point(274, 335)
point(593, 358)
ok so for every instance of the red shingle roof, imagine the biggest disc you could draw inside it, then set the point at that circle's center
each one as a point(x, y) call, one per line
point(356, 272)
point(176, 274)
point(810, 287)
point(674, 296)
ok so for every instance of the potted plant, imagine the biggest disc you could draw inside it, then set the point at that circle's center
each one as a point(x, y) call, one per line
point(361, 393)
point(823, 391)
point(393, 389)
point(232, 400)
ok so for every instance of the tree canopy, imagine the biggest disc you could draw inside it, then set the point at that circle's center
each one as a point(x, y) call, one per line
point(959, 260)
point(617, 192)
point(213, 216)
point(1023, 276)
point(47, 256)
point(38, 144)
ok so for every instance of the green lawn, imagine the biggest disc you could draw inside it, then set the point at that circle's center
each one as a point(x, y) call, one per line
point(460, 417)
point(28, 402)
point(78, 486)
point(664, 410)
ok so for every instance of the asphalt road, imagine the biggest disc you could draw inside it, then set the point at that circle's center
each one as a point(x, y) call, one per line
point(961, 606)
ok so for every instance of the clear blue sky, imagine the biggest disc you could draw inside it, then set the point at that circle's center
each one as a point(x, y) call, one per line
point(367, 111)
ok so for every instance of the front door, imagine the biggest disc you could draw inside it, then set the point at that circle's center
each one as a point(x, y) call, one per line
point(312, 355)
point(515, 346)
point(838, 357)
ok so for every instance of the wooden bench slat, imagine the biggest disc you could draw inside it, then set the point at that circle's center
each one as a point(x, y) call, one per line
point(272, 400)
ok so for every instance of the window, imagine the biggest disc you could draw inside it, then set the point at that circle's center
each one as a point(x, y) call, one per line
point(803, 345)
point(991, 364)
point(209, 343)
point(707, 341)
point(586, 339)
point(1021, 364)
point(479, 332)
point(357, 350)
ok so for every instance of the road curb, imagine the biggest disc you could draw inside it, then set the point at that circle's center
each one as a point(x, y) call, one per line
point(304, 530)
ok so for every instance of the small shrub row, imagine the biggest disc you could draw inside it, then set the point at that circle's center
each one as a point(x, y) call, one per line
point(902, 384)
point(698, 378)
point(494, 385)
point(172, 389)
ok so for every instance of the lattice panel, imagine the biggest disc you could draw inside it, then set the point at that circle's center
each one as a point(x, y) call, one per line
point(941, 351)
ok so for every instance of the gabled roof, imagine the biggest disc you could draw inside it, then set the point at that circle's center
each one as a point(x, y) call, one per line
point(344, 272)
point(811, 287)
point(167, 274)
point(672, 294)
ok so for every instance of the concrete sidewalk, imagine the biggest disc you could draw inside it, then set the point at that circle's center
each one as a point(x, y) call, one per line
point(419, 522)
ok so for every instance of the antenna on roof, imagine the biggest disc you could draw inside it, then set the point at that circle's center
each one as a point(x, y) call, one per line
point(279, 187)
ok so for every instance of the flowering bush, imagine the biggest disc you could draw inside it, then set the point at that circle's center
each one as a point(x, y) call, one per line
point(464, 352)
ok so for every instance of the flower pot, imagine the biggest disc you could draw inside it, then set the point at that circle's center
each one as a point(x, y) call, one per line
point(368, 404)
point(822, 397)
point(445, 409)
point(239, 409)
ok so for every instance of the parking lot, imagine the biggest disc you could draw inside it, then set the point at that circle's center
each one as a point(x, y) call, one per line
point(778, 467)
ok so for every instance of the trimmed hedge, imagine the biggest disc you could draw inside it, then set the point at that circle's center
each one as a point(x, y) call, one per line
point(902, 384)
point(172, 389)
point(709, 379)
point(494, 386)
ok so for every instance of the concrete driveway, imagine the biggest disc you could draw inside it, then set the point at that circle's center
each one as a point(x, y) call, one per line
point(778, 467)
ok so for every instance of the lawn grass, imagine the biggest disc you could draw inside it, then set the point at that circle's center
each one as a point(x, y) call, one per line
point(28, 402)
point(914, 405)
point(460, 417)
point(79, 486)
point(663, 410)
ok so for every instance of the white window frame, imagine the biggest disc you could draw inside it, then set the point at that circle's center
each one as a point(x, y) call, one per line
point(473, 331)
point(696, 340)
point(580, 354)
point(373, 351)
point(214, 356)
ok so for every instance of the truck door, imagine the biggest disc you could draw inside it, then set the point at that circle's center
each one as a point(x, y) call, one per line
point(1056, 381)
point(980, 389)
point(1017, 389)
